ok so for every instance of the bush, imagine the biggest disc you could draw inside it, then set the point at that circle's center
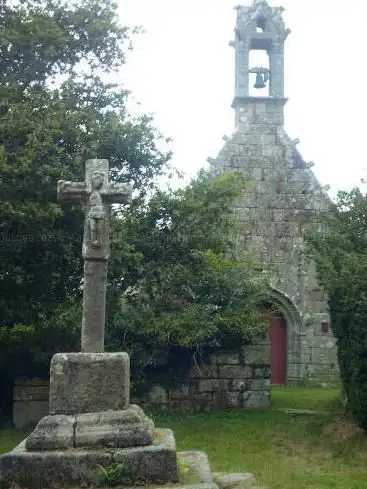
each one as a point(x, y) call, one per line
point(340, 254)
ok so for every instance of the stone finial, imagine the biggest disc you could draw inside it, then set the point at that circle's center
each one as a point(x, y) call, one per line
point(225, 138)
point(309, 164)
point(294, 142)
point(210, 160)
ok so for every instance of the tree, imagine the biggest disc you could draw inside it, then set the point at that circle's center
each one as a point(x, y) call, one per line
point(186, 287)
point(340, 253)
point(56, 111)
point(48, 128)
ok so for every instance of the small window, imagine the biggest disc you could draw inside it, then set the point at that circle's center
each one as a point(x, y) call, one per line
point(260, 24)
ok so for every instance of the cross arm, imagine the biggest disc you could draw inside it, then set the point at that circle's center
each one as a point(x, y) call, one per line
point(119, 193)
point(71, 192)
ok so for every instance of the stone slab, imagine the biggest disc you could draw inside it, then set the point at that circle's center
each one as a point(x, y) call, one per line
point(52, 433)
point(60, 469)
point(89, 382)
point(128, 428)
point(21, 469)
point(196, 466)
point(106, 429)
point(231, 480)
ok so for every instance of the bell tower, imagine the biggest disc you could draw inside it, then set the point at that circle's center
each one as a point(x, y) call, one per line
point(260, 29)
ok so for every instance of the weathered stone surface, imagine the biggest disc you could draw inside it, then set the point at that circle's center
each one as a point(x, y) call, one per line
point(256, 399)
point(209, 385)
point(196, 466)
point(259, 385)
point(228, 358)
point(98, 194)
point(156, 463)
point(127, 428)
point(89, 382)
point(235, 372)
point(59, 469)
point(257, 354)
point(105, 429)
point(51, 469)
point(51, 433)
point(158, 395)
point(228, 480)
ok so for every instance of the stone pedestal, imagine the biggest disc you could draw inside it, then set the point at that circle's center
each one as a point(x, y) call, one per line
point(89, 382)
point(62, 469)
point(92, 430)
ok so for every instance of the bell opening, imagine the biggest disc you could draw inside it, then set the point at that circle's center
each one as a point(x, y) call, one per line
point(258, 86)
point(260, 24)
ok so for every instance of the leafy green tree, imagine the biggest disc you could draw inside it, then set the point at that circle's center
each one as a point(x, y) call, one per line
point(55, 113)
point(57, 109)
point(341, 258)
point(186, 288)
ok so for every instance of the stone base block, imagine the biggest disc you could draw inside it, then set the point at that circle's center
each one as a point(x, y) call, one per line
point(109, 429)
point(89, 382)
point(61, 469)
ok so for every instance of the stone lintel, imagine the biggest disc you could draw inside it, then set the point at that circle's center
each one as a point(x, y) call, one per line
point(89, 382)
point(243, 101)
point(58, 469)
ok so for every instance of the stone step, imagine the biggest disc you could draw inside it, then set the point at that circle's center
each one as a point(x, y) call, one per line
point(194, 467)
point(233, 480)
point(152, 464)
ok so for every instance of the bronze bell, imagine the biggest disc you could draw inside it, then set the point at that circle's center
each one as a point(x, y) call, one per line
point(259, 81)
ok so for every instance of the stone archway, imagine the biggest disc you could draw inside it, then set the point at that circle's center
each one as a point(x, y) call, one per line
point(285, 325)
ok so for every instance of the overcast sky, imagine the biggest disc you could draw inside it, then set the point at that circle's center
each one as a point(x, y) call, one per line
point(182, 70)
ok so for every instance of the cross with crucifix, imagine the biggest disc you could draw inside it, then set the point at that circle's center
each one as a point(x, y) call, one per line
point(98, 196)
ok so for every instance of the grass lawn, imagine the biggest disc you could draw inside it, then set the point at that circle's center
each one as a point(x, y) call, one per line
point(284, 451)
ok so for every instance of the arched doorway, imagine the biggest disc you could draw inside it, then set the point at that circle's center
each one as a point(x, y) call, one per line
point(278, 348)
point(277, 330)
point(286, 325)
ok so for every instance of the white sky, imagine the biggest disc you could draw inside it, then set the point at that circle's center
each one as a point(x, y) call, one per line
point(182, 71)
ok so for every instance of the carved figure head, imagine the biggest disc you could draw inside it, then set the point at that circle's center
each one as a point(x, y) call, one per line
point(96, 180)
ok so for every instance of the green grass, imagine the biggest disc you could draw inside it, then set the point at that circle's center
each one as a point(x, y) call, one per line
point(305, 398)
point(9, 439)
point(284, 451)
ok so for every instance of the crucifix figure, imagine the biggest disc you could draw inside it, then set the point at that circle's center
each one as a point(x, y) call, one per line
point(98, 196)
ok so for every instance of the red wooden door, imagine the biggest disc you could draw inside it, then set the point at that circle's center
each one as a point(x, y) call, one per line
point(278, 342)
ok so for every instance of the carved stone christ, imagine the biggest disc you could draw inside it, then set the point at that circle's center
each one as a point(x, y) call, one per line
point(96, 213)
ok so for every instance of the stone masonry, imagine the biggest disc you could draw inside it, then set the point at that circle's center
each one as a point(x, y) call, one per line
point(230, 380)
point(282, 199)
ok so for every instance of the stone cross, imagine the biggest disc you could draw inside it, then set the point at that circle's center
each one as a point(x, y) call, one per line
point(98, 195)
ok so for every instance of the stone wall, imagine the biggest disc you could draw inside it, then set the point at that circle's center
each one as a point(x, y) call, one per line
point(229, 380)
point(30, 402)
point(282, 201)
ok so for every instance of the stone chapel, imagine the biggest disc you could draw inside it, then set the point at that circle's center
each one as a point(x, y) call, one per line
point(282, 200)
